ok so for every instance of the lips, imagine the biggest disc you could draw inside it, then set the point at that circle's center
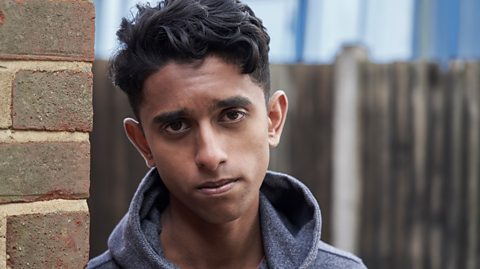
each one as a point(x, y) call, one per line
point(217, 187)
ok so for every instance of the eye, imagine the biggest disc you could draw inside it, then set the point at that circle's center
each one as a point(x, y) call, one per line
point(232, 116)
point(176, 127)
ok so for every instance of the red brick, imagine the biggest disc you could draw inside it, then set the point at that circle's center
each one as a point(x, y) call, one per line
point(44, 170)
point(2, 18)
point(53, 100)
point(53, 240)
point(52, 30)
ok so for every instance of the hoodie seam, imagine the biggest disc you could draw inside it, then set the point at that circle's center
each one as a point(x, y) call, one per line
point(356, 260)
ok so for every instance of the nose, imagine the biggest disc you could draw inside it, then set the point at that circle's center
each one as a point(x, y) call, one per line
point(209, 154)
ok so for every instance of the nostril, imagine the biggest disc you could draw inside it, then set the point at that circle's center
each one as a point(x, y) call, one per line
point(210, 158)
point(210, 152)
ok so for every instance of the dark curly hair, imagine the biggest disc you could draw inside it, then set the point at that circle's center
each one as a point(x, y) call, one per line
point(186, 31)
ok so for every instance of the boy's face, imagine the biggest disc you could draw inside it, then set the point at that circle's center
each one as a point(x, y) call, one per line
point(208, 131)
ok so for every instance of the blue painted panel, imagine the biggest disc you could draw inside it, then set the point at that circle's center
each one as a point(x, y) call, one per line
point(314, 30)
point(300, 30)
point(422, 29)
point(446, 29)
point(469, 34)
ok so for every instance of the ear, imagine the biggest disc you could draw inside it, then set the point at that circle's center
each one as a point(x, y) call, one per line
point(277, 113)
point(135, 134)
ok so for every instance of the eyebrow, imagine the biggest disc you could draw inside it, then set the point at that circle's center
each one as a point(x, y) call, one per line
point(171, 116)
point(236, 101)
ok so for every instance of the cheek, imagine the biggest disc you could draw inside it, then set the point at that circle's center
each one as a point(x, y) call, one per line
point(171, 163)
point(175, 176)
point(253, 149)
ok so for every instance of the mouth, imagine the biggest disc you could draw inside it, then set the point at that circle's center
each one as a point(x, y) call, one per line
point(217, 187)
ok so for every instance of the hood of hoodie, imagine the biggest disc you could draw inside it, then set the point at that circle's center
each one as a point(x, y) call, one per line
point(289, 216)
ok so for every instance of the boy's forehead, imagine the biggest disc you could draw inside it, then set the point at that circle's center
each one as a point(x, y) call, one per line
point(176, 85)
point(212, 71)
point(177, 74)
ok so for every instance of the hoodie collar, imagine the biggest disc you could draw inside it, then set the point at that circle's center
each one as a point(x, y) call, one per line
point(289, 216)
point(135, 243)
point(291, 222)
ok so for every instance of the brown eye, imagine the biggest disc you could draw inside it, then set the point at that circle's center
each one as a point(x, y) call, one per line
point(176, 127)
point(233, 116)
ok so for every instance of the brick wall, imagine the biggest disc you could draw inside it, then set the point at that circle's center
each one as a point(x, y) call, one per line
point(46, 54)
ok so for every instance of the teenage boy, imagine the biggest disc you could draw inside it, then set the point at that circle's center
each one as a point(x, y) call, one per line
point(196, 73)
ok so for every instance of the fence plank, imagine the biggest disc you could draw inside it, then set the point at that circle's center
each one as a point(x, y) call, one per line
point(418, 212)
point(400, 164)
point(374, 122)
point(383, 91)
point(308, 130)
point(434, 166)
point(455, 173)
point(367, 242)
point(473, 176)
point(346, 169)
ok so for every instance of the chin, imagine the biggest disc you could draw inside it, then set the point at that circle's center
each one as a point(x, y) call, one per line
point(222, 217)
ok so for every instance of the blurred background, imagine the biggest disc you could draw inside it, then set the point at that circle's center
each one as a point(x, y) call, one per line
point(383, 126)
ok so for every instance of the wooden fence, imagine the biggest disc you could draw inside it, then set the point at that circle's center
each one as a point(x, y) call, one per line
point(420, 132)
point(419, 158)
point(116, 167)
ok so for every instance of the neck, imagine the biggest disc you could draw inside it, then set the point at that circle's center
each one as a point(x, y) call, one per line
point(190, 242)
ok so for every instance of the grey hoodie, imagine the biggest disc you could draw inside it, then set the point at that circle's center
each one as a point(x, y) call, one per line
point(289, 217)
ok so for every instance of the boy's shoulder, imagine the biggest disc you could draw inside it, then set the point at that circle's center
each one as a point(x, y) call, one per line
point(329, 257)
